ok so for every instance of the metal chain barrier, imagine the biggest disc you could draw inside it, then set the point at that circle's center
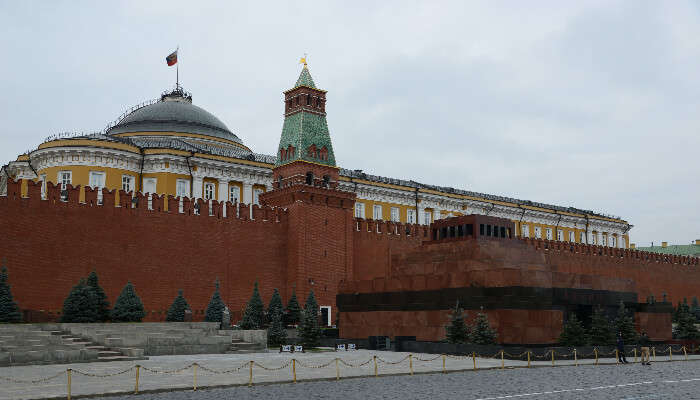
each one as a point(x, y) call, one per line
point(228, 371)
point(35, 381)
point(76, 371)
point(392, 362)
point(337, 362)
point(174, 371)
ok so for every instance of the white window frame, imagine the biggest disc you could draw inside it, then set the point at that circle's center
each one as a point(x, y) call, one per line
point(572, 236)
point(613, 241)
point(60, 178)
point(560, 235)
point(182, 188)
point(234, 194)
point(209, 191)
point(377, 212)
point(100, 177)
point(538, 232)
point(623, 245)
point(395, 216)
point(582, 237)
point(359, 209)
point(427, 217)
point(256, 195)
point(604, 240)
point(525, 230)
point(129, 180)
point(147, 182)
point(410, 216)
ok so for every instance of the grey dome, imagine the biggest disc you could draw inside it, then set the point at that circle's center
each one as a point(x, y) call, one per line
point(173, 116)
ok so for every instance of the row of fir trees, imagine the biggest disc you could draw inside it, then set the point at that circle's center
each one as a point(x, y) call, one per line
point(603, 330)
point(480, 332)
point(277, 317)
point(87, 302)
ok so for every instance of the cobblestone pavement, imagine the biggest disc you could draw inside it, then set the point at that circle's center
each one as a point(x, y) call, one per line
point(177, 372)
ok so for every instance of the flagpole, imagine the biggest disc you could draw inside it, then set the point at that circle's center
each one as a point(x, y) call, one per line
point(177, 69)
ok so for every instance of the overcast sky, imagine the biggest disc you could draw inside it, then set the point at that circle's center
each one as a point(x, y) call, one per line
point(586, 104)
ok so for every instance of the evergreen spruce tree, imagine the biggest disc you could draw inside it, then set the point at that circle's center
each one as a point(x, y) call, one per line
point(293, 314)
point(100, 297)
point(9, 311)
point(573, 333)
point(80, 305)
point(309, 329)
point(276, 334)
point(625, 323)
point(176, 312)
point(601, 333)
point(253, 316)
point(695, 308)
point(457, 331)
point(481, 331)
point(216, 306)
point(275, 307)
point(685, 326)
point(128, 307)
point(674, 316)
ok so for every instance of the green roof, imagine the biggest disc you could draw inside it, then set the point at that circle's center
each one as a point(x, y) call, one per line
point(305, 79)
point(674, 249)
point(301, 130)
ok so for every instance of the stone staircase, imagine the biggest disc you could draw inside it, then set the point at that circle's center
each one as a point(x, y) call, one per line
point(238, 346)
point(104, 353)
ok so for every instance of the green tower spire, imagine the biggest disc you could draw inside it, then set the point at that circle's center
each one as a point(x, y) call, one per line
point(305, 133)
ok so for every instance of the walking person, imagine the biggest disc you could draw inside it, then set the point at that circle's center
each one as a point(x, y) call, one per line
point(644, 339)
point(621, 349)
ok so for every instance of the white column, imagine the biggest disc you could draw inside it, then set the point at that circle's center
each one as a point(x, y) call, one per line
point(247, 195)
point(223, 190)
point(436, 214)
point(197, 182)
point(223, 195)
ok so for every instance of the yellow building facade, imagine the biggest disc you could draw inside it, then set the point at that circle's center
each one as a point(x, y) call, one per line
point(170, 146)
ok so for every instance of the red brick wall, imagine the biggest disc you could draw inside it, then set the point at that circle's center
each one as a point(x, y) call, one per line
point(376, 241)
point(49, 245)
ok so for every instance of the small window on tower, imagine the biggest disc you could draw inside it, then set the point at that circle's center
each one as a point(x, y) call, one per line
point(309, 178)
point(326, 181)
point(308, 100)
point(296, 100)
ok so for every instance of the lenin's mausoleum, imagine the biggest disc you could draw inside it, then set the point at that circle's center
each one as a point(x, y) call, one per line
point(169, 198)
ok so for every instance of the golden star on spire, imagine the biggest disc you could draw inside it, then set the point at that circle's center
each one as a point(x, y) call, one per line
point(303, 60)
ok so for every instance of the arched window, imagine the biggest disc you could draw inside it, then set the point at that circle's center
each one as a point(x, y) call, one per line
point(309, 178)
point(311, 151)
point(326, 181)
point(308, 99)
point(283, 154)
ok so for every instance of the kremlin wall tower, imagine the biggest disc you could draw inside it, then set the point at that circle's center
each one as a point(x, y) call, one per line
point(169, 198)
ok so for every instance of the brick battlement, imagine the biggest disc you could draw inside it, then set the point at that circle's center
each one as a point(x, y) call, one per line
point(604, 251)
point(134, 204)
point(395, 230)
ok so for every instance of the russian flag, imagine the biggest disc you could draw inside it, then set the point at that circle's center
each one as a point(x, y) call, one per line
point(171, 59)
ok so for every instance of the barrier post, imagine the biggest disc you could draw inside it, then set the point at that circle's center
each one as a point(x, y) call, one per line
point(376, 374)
point(552, 357)
point(635, 355)
point(503, 363)
point(337, 370)
point(528, 359)
point(194, 384)
point(410, 363)
point(250, 376)
point(670, 354)
point(653, 351)
point(617, 356)
point(575, 358)
point(69, 372)
point(443, 364)
point(294, 369)
point(685, 353)
point(474, 359)
point(136, 386)
point(596, 355)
